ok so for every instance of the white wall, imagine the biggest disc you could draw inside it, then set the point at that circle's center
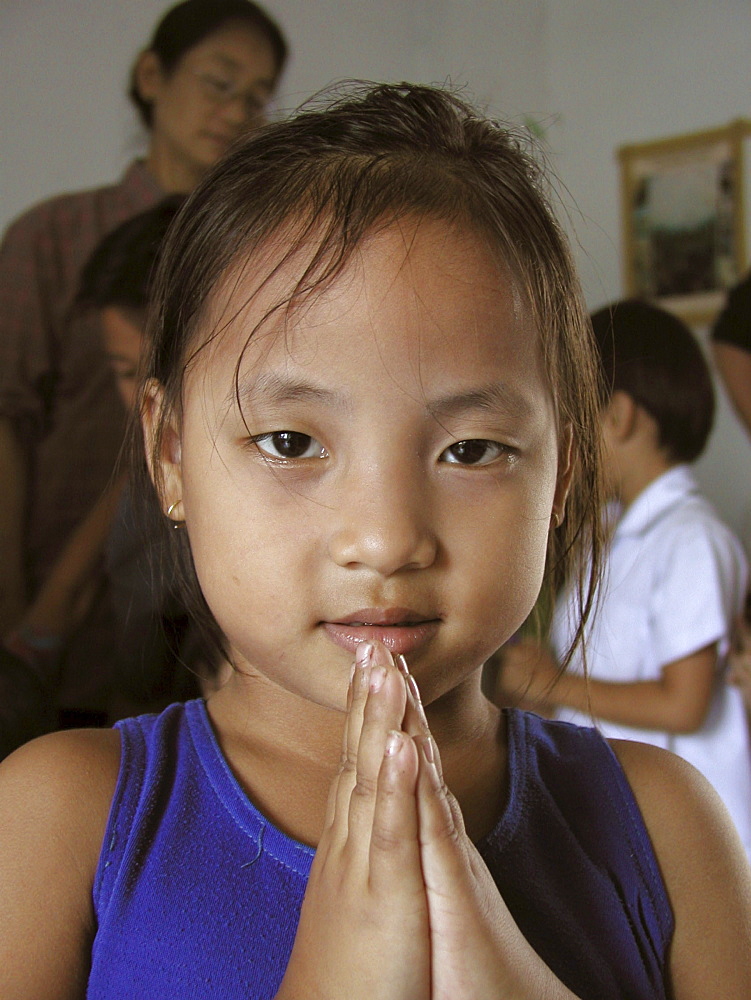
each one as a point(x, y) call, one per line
point(630, 72)
point(65, 122)
point(596, 73)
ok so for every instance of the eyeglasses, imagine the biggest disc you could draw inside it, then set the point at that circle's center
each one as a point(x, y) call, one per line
point(221, 91)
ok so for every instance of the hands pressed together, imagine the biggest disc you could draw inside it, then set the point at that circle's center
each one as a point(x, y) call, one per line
point(399, 904)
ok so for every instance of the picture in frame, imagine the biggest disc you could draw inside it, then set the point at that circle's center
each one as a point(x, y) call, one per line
point(684, 219)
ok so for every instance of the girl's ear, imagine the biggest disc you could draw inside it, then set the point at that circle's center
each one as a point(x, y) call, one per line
point(565, 474)
point(147, 76)
point(161, 435)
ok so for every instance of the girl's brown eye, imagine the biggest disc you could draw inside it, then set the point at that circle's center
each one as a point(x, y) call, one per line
point(289, 445)
point(476, 451)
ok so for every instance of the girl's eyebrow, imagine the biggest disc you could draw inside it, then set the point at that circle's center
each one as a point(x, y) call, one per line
point(275, 389)
point(495, 396)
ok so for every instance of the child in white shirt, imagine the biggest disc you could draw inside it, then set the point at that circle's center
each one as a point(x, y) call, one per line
point(656, 648)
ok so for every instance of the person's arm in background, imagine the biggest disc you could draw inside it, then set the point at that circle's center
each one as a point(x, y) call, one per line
point(13, 493)
point(703, 575)
point(677, 701)
point(66, 594)
point(30, 650)
point(27, 281)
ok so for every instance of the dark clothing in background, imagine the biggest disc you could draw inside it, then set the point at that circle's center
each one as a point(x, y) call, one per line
point(57, 389)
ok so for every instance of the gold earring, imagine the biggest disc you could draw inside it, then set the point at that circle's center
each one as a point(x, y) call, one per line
point(175, 524)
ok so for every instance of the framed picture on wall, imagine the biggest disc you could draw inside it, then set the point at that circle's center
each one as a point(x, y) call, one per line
point(684, 219)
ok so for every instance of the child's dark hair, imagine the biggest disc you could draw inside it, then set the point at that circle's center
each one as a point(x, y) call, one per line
point(653, 357)
point(325, 180)
point(188, 23)
point(121, 268)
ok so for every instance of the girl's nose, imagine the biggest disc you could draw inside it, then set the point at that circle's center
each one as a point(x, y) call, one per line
point(384, 527)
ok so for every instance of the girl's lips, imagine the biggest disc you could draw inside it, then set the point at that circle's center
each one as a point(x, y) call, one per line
point(402, 639)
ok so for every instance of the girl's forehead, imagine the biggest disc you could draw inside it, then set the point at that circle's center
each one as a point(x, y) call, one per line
point(426, 312)
point(419, 323)
point(418, 267)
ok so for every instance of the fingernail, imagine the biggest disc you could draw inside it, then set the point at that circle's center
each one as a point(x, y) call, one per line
point(394, 743)
point(381, 655)
point(401, 664)
point(377, 677)
point(414, 689)
point(363, 654)
point(427, 749)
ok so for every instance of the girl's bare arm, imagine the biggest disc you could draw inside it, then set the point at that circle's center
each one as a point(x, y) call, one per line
point(55, 794)
point(705, 870)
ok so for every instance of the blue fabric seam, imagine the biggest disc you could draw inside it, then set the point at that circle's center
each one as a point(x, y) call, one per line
point(198, 715)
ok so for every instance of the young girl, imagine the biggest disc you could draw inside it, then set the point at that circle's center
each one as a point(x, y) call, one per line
point(370, 414)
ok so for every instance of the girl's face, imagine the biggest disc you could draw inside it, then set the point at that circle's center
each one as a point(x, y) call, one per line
point(218, 89)
point(396, 476)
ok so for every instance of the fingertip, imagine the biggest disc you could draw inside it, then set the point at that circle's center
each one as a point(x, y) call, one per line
point(363, 654)
point(428, 760)
point(415, 692)
point(381, 655)
point(394, 743)
point(377, 678)
point(428, 749)
point(398, 761)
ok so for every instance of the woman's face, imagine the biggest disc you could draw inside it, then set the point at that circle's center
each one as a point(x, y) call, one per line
point(219, 89)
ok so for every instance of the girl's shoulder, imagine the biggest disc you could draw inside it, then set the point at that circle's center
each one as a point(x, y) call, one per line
point(66, 779)
point(678, 804)
point(50, 769)
point(55, 796)
point(703, 864)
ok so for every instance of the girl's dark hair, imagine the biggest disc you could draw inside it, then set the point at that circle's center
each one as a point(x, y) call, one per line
point(653, 357)
point(120, 270)
point(326, 179)
point(188, 23)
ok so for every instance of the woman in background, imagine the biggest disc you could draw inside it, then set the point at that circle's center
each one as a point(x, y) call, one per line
point(205, 78)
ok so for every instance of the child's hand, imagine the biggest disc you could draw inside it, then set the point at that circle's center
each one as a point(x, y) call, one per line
point(363, 931)
point(477, 951)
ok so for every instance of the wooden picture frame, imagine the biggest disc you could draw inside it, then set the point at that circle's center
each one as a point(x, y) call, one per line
point(684, 219)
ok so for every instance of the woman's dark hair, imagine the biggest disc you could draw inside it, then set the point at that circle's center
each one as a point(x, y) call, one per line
point(120, 270)
point(653, 357)
point(325, 180)
point(189, 22)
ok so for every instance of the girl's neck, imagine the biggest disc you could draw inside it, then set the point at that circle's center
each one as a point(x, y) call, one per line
point(471, 735)
point(283, 750)
point(286, 755)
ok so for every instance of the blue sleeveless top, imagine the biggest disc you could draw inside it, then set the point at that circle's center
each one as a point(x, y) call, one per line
point(197, 895)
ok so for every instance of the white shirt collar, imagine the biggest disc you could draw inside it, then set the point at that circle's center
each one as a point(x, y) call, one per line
point(660, 496)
